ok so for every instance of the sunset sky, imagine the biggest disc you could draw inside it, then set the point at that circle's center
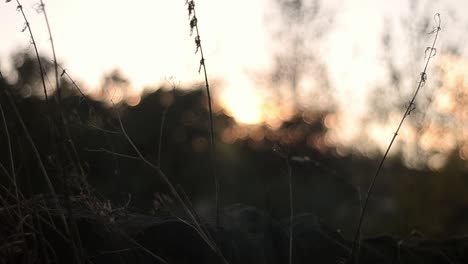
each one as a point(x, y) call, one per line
point(149, 41)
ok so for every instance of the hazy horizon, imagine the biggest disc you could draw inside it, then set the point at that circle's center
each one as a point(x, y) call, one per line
point(341, 52)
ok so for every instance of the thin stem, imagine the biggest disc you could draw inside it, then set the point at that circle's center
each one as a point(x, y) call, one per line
point(410, 107)
point(64, 72)
point(210, 109)
point(57, 83)
point(64, 133)
point(28, 26)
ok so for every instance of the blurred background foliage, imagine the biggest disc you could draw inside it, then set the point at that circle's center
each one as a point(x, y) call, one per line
point(329, 180)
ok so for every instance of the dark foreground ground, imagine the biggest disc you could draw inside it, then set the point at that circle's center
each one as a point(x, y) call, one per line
point(246, 235)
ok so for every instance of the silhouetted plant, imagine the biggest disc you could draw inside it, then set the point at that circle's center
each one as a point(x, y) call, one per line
point(49, 183)
point(27, 26)
point(194, 27)
point(354, 256)
point(68, 149)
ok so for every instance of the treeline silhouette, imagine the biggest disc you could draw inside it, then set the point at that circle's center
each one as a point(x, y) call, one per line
point(250, 169)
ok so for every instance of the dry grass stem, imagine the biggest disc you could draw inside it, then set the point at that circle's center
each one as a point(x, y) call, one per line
point(194, 26)
point(354, 256)
point(57, 82)
point(33, 42)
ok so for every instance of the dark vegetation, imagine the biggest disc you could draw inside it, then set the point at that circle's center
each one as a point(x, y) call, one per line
point(83, 181)
point(124, 212)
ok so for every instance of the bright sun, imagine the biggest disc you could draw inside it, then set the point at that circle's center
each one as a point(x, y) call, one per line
point(244, 105)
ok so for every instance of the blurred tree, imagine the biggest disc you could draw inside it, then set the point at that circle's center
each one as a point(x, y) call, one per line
point(299, 73)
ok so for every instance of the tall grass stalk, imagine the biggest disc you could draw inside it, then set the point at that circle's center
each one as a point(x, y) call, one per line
point(57, 82)
point(194, 26)
point(63, 133)
point(36, 51)
point(354, 256)
point(62, 124)
point(13, 104)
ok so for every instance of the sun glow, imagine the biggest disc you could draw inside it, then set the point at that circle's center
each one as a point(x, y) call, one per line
point(251, 105)
point(244, 105)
